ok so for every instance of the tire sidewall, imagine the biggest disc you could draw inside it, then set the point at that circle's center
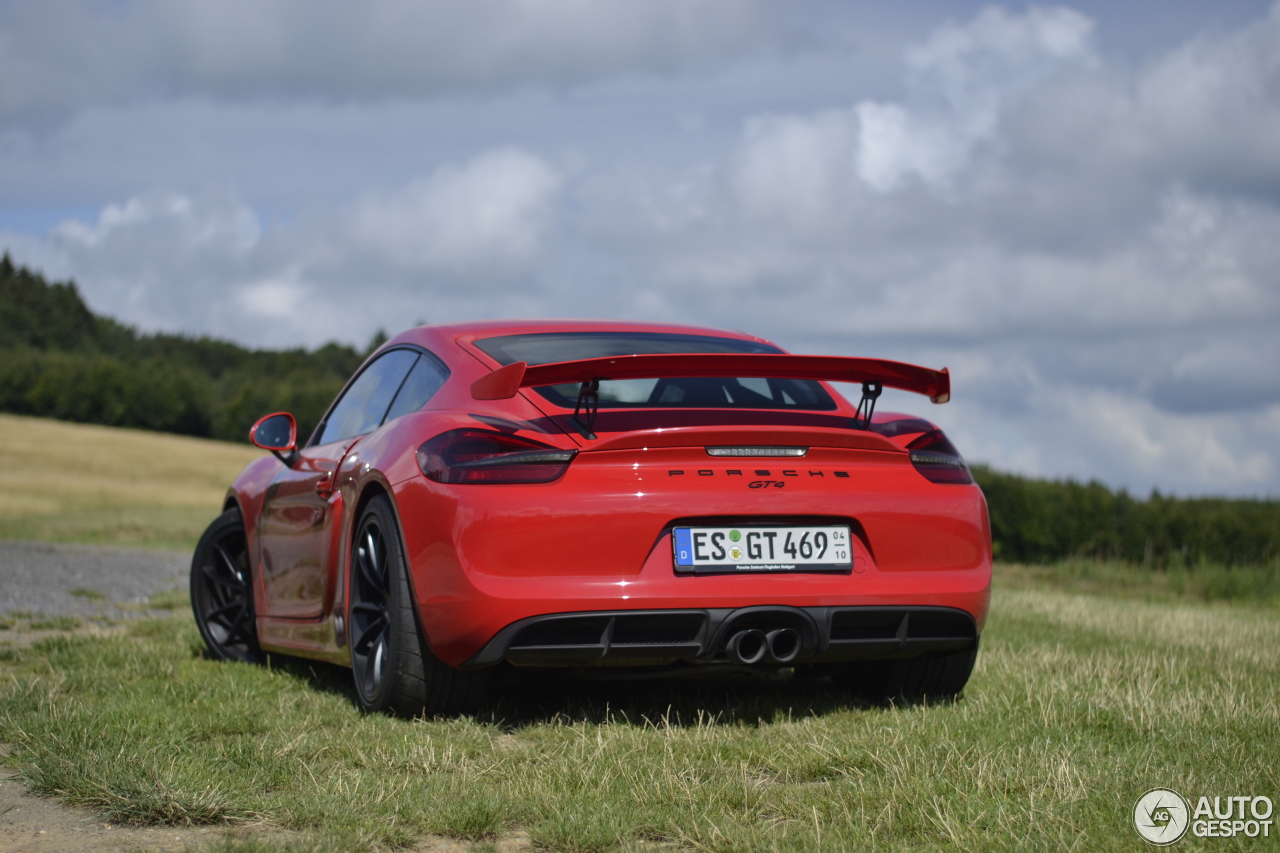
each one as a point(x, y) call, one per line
point(399, 607)
point(226, 523)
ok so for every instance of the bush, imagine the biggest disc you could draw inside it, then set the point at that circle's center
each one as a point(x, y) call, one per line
point(1039, 521)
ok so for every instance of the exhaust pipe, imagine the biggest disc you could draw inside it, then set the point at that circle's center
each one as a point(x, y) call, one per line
point(783, 644)
point(747, 646)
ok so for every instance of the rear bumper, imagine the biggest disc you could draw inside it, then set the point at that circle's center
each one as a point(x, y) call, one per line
point(599, 541)
point(645, 637)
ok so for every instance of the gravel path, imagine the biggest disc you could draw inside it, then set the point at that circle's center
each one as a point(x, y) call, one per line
point(37, 577)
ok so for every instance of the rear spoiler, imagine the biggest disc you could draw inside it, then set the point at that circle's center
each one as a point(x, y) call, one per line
point(505, 382)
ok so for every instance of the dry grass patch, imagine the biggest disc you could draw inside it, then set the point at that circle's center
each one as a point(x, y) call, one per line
point(1077, 706)
point(64, 482)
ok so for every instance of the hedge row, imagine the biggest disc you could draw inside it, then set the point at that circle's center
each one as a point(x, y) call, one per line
point(1039, 521)
point(157, 394)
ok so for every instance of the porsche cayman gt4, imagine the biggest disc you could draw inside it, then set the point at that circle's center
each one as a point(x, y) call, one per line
point(587, 495)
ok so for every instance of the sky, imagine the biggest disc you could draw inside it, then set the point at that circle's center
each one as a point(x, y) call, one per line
point(1076, 208)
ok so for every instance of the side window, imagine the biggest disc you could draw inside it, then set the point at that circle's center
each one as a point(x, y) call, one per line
point(365, 404)
point(422, 382)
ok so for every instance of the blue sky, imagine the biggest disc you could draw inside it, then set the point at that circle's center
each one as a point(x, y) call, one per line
point(1076, 208)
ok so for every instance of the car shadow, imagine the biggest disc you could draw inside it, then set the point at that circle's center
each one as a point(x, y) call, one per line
point(520, 698)
point(320, 676)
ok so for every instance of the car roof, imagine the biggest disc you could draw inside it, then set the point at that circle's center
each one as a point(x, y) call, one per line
point(465, 332)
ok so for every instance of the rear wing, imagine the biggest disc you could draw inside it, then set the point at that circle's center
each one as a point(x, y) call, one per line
point(506, 381)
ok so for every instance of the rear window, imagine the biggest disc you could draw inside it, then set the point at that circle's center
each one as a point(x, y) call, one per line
point(697, 392)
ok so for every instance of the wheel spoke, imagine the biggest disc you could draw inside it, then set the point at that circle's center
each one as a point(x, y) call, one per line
point(229, 563)
point(372, 632)
point(368, 674)
point(371, 667)
point(217, 613)
point(379, 661)
point(376, 559)
point(365, 607)
point(368, 570)
point(211, 573)
point(240, 631)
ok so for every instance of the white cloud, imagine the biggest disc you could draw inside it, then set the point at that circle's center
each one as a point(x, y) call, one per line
point(958, 81)
point(279, 298)
point(1088, 242)
point(1093, 433)
point(61, 54)
point(488, 215)
point(796, 168)
point(205, 264)
point(158, 258)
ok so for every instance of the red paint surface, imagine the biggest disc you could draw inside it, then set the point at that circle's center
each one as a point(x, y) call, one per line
point(483, 556)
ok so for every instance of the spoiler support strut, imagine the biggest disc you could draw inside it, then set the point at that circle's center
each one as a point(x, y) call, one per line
point(589, 404)
point(870, 393)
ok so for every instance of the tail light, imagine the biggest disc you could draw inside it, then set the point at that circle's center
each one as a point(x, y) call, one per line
point(937, 459)
point(483, 456)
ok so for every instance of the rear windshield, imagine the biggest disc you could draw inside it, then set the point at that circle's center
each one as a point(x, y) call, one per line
point(696, 392)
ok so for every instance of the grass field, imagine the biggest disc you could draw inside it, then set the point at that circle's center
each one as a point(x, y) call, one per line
point(1096, 682)
point(1078, 705)
point(63, 482)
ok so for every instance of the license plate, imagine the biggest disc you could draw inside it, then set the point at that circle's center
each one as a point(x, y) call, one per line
point(762, 549)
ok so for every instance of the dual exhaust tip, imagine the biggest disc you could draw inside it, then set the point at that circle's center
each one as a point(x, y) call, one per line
point(752, 646)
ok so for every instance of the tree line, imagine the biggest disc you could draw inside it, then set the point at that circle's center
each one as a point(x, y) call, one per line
point(60, 360)
point(1040, 521)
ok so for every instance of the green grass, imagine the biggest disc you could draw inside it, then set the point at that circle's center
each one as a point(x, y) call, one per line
point(1249, 585)
point(55, 623)
point(170, 599)
point(1079, 704)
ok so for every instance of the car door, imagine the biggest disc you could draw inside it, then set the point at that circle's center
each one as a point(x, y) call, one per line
point(298, 524)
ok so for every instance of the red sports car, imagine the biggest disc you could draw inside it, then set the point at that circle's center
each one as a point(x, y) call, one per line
point(598, 494)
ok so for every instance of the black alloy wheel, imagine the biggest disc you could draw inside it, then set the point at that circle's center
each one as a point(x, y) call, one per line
point(222, 591)
point(393, 668)
point(370, 618)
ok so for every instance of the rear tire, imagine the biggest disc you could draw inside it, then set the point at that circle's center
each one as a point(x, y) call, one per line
point(222, 591)
point(393, 667)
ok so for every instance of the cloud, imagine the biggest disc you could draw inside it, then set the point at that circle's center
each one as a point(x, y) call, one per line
point(158, 258)
point(204, 263)
point(490, 214)
point(1088, 242)
point(62, 54)
point(1109, 314)
point(958, 81)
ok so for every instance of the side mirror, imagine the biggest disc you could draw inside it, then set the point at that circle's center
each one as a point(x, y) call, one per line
point(279, 434)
